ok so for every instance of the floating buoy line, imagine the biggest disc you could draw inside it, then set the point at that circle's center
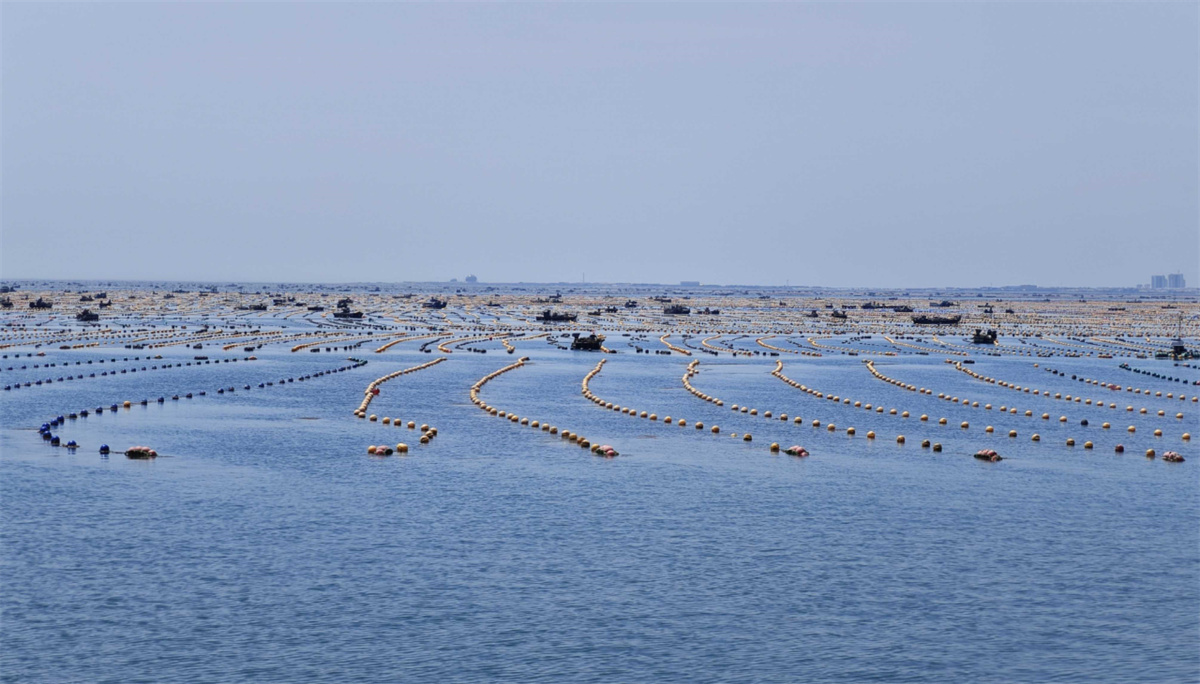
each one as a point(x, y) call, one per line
point(63, 419)
point(604, 450)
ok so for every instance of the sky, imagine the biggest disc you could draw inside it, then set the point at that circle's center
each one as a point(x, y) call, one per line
point(830, 144)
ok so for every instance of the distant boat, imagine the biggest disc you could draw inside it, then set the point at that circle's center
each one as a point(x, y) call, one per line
point(981, 337)
point(591, 342)
point(548, 316)
point(677, 310)
point(434, 303)
point(87, 316)
point(926, 319)
point(838, 314)
point(347, 313)
point(41, 304)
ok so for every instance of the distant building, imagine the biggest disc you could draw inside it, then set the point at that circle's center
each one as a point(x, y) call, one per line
point(1175, 281)
point(689, 283)
point(1158, 282)
point(472, 279)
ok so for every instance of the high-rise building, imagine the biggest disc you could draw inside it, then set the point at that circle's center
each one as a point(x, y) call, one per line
point(1158, 282)
point(1175, 281)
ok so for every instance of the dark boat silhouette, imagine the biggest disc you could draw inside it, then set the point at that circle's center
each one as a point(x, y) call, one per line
point(591, 342)
point(981, 337)
point(548, 316)
point(926, 319)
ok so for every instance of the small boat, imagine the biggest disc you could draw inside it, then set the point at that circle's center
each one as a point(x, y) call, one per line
point(550, 316)
point(591, 342)
point(926, 319)
point(87, 316)
point(981, 337)
point(677, 310)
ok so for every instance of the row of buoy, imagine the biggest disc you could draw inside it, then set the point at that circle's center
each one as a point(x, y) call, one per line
point(691, 371)
point(1058, 395)
point(395, 342)
point(573, 437)
point(1003, 409)
point(81, 376)
point(846, 350)
point(634, 413)
point(678, 350)
point(54, 440)
point(762, 343)
point(1118, 387)
point(372, 390)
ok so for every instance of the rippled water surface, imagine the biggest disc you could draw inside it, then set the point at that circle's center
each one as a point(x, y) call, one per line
point(267, 546)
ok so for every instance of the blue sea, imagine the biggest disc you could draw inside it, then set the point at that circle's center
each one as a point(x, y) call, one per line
point(266, 545)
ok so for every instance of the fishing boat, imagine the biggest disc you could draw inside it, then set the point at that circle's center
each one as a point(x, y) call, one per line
point(926, 319)
point(591, 342)
point(87, 316)
point(1179, 351)
point(549, 316)
point(981, 337)
point(434, 303)
point(676, 310)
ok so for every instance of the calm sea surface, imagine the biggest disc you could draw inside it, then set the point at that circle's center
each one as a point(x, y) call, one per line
point(267, 546)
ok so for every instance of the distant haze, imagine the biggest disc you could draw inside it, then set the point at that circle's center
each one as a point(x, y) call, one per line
point(855, 144)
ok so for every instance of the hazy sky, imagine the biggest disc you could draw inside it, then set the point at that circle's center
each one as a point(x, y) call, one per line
point(829, 144)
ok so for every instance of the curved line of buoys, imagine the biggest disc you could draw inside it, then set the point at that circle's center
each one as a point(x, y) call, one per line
point(54, 440)
point(393, 343)
point(572, 437)
point(677, 350)
point(1059, 396)
point(586, 390)
point(762, 343)
point(372, 390)
point(847, 350)
point(693, 369)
